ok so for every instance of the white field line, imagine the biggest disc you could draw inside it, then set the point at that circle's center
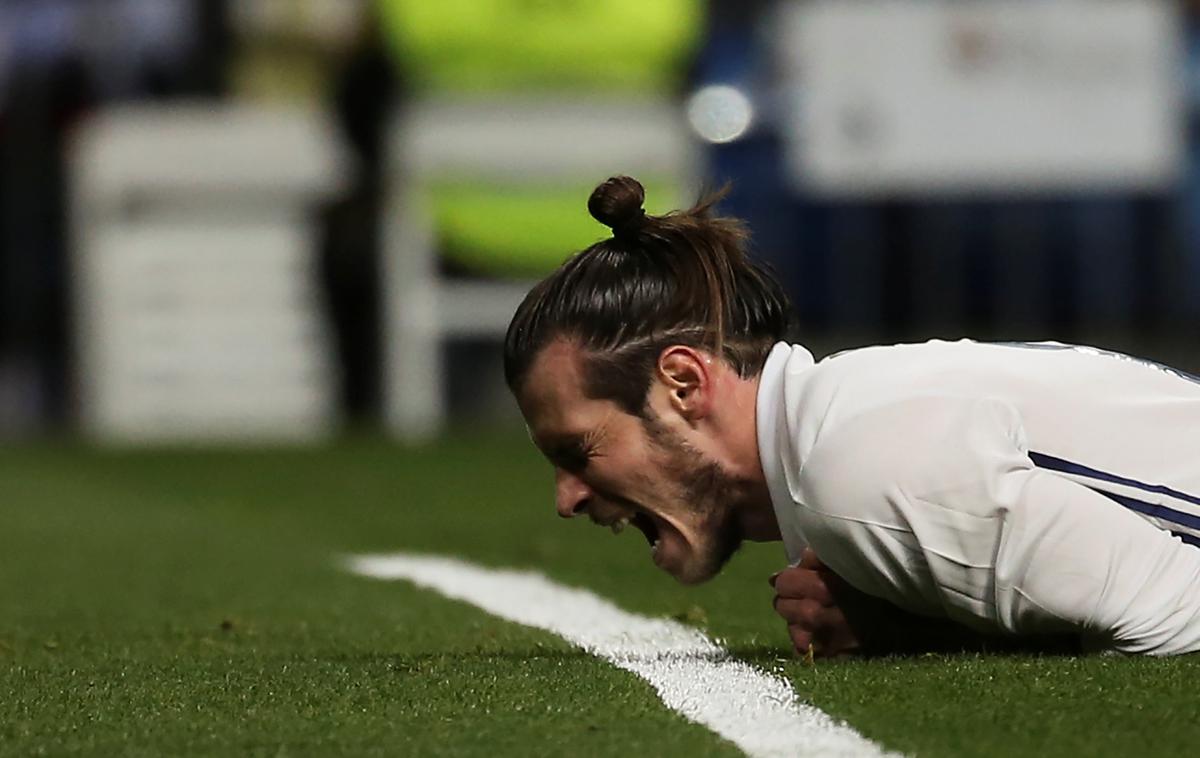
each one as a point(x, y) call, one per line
point(754, 710)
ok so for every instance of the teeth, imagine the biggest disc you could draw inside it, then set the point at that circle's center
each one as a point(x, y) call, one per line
point(619, 525)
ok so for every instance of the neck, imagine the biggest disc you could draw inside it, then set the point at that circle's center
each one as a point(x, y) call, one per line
point(755, 511)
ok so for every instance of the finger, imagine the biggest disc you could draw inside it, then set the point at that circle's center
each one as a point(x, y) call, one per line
point(832, 634)
point(809, 559)
point(804, 583)
point(826, 629)
point(804, 613)
point(801, 639)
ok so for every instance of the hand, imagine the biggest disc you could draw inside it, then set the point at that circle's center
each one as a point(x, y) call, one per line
point(828, 617)
point(805, 598)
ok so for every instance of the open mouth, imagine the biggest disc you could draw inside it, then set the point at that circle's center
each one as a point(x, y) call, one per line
point(645, 524)
point(648, 527)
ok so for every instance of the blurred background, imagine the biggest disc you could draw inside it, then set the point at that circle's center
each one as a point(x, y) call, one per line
point(273, 220)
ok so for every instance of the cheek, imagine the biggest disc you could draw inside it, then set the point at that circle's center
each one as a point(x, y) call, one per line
point(630, 460)
point(625, 474)
point(636, 480)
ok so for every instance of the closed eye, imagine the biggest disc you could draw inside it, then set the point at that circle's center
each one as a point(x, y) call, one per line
point(572, 452)
point(573, 458)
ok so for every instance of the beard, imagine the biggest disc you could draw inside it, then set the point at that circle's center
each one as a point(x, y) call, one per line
point(710, 492)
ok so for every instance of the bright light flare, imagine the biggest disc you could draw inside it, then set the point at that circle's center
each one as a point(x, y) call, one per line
point(720, 113)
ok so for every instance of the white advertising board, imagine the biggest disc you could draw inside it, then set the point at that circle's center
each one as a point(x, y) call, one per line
point(199, 315)
point(895, 97)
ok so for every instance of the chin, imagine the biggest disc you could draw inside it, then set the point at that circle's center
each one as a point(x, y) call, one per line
point(692, 579)
point(699, 569)
point(699, 566)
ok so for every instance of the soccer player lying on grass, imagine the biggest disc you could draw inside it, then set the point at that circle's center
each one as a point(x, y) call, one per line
point(930, 496)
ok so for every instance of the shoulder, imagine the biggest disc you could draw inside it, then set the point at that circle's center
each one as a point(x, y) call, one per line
point(919, 445)
point(887, 382)
point(889, 491)
point(887, 369)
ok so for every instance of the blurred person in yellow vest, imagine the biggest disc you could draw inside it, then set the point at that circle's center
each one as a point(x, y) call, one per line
point(498, 45)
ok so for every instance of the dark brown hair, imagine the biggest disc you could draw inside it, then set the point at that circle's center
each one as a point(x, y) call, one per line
point(679, 279)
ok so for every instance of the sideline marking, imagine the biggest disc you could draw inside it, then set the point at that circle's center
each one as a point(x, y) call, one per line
point(755, 710)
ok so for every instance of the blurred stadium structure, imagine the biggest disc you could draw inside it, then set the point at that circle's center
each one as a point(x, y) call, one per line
point(333, 204)
point(195, 295)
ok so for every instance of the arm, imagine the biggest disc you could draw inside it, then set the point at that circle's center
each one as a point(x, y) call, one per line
point(824, 612)
point(1070, 556)
point(934, 506)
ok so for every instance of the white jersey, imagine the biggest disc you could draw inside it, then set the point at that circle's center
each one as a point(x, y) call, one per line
point(1023, 488)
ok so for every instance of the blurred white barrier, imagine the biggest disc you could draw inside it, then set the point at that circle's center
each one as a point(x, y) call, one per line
point(506, 141)
point(941, 96)
point(197, 311)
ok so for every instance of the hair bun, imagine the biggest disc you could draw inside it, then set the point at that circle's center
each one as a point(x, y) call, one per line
point(617, 203)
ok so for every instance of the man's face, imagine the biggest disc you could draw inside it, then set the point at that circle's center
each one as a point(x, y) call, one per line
point(622, 470)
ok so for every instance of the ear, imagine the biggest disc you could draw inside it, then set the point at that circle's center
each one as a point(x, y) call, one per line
point(687, 374)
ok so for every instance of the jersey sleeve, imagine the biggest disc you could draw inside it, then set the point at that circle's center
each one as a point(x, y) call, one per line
point(935, 505)
point(1069, 553)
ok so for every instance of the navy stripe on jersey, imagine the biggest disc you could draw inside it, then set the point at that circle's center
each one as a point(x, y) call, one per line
point(1161, 512)
point(1189, 539)
point(1042, 460)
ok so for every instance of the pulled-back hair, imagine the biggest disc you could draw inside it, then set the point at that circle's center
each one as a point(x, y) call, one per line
point(679, 279)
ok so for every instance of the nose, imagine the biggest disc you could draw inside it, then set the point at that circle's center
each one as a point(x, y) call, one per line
point(571, 495)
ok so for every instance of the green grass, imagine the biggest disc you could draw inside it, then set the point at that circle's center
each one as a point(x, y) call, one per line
point(189, 603)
